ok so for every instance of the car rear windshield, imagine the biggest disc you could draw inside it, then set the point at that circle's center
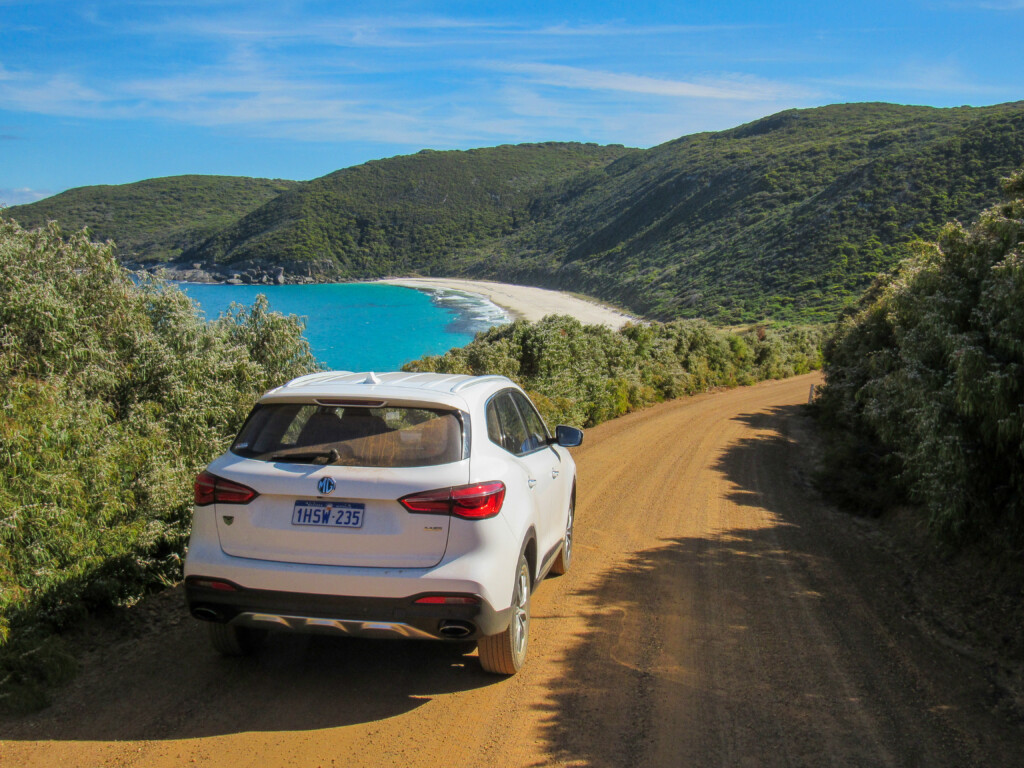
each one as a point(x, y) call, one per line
point(357, 436)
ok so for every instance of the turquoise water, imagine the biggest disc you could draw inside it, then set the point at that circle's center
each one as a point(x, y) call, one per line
point(365, 326)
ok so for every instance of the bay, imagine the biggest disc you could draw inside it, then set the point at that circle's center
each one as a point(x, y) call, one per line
point(365, 326)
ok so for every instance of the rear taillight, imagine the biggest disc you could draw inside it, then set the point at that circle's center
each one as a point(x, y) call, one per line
point(478, 501)
point(204, 487)
point(210, 489)
point(437, 502)
point(473, 502)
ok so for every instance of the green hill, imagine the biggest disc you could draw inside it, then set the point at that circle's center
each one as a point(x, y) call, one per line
point(157, 219)
point(787, 217)
point(402, 214)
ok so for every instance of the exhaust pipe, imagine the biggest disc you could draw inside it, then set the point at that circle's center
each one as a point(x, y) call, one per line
point(456, 630)
point(206, 614)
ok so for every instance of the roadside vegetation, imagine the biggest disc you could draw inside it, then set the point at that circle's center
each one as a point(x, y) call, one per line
point(585, 374)
point(925, 392)
point(113, 395)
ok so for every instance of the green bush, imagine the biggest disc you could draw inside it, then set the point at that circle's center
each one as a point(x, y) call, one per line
point(584, 375)
point(928, 375)
point(113, 395)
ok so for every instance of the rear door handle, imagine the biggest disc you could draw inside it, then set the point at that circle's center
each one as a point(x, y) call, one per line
point(554, 473)
point(532, 482)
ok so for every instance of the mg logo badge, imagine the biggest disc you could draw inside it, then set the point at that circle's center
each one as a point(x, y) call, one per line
point(326, 485)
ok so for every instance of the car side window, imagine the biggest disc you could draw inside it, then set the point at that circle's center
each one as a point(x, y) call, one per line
point(513, 437)
point(493, 424)
point(537, 433)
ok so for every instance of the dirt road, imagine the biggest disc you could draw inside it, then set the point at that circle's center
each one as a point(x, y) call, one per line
point(717, 614)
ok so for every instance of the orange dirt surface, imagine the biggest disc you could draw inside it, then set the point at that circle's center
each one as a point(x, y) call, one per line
point(718, 613)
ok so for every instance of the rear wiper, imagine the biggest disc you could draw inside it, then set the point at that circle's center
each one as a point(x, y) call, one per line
point(314, 457)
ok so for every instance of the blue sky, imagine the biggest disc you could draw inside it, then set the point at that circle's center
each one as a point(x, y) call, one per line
point(112, 92)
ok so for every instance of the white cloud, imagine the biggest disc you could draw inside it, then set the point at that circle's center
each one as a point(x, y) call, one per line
point(941, 77)
point(365, 32)
point(536, 102)
point(738, 88)
point(22, 195)
point(625, 30)
point(252, 104)
point(281, 75)
point(644, 122)
point(57, 94)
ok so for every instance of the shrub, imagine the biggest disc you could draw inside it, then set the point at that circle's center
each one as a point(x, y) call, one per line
point(584, 375)
point(928, 374)
point(113, 395)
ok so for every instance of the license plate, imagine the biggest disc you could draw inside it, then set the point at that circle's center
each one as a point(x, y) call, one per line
point(331, 514)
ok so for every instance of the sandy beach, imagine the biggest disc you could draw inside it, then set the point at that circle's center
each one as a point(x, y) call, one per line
point(524, 301)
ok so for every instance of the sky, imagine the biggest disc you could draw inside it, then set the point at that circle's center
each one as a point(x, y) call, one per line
point(118, 91)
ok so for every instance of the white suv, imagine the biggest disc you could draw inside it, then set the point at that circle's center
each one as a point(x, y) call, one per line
point(415, 505)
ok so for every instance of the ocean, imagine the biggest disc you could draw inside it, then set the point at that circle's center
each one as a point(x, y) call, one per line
point(365, 326)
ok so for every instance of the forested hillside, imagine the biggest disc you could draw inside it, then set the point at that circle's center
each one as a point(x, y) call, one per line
point(403, 214)
point(786, 217)
point(789, 217)
point(157, 219)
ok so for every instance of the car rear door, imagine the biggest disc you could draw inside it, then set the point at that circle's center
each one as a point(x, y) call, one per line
point(532, 455)
point(551, 480)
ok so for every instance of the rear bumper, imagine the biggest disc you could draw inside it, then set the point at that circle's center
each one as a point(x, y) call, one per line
point(343, 614)
point(357, 600)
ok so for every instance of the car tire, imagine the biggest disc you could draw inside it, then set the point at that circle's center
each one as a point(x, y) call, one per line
point(228, 640)
point(564, 559)
point(505, 652)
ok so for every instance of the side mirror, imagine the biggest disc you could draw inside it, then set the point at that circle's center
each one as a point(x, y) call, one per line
point(568, 437)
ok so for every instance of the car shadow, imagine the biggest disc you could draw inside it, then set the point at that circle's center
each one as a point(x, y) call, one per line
point(166, 682)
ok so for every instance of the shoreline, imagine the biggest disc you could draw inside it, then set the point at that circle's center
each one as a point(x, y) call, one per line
point(521, 301)
point(518, 301)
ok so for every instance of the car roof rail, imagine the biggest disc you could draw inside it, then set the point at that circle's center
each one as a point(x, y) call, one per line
point(478, 380)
